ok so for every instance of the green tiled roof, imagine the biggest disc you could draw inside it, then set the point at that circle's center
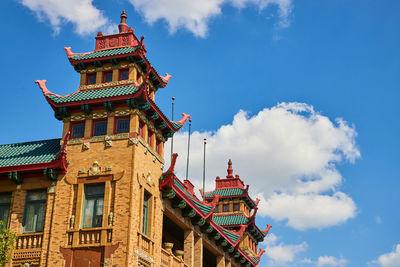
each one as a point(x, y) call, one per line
point(255, 259)
point(232, 236)
point(230, 219)
point(29, 152)
point(176, 125)
point(105, 53)
point(226, 192)
point(95, 94)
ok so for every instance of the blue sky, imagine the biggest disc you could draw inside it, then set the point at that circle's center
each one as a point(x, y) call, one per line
point(302, 95)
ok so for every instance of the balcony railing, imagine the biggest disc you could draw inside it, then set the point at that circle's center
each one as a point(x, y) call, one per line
point(26, 241)
point(145, 244)
point(89, 237)
point(168, 259)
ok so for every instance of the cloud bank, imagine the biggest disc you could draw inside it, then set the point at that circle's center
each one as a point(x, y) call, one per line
point(81, 13)
point(391, 259)
point(287, 154)
point(195, 15)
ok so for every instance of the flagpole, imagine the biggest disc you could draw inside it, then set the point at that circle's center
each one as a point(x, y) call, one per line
point(188, 152)
point(172, 119)
point(204, 167)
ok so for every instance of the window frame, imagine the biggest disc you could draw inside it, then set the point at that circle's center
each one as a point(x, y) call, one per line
point(88, 76)
point(105, 74)
point(146, 212)
point(36, 204)
point(7, 206)
point(94, 124)
point(141, 131)
point(71, 128)
point(94, 197)
point(158, 146)
point(223, 207)
point(150, 135)
point(116, 123)
point(120, 74)
point(236, 205)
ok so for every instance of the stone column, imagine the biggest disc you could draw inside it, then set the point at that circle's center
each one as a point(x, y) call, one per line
point(198, 251)
point(228, 263)
point(189, 247)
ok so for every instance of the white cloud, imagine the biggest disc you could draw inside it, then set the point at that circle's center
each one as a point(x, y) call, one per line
point(195, 15)
point(330, 261)
point(81, 13)
point(287, 154)
point(391, 259)
point(305, 211)
point(279, 253)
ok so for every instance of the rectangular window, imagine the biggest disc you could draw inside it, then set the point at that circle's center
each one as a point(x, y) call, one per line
point(216, 208)
point(99, 128)
point(158, 146)
point(91, 78)
point(5, 202)
point(93, 205)
point(141, 129)
point(78, 130)
point(225, 207)
point(236, 206)
point(146, 207)
point(123, 74)
point(150, 138)
point(35, 209)
point(107, 76)
point(122, 125)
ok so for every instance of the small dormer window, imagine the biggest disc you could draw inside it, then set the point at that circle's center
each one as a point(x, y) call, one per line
point(236, 207)
point(123, 74)
point(99, 127)
point(122, 125)
point(107, 76)
point(78, 130)
point(91, 78)
point(225, 207)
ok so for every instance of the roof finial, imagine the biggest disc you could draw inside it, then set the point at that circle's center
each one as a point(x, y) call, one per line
point(123, 27)
point(230, 170)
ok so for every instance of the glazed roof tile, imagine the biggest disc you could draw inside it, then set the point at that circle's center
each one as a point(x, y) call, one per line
point(94, 94)
point(29, 152)
point(204, 208)
point(232, 219)
point(232, 236)
point(226, 192)
point(105, 53)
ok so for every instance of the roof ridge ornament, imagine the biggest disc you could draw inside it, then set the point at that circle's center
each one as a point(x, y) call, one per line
point(230, 170)
point(123, 27)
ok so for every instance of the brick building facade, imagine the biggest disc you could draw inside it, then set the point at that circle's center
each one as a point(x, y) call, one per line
point(98, 196)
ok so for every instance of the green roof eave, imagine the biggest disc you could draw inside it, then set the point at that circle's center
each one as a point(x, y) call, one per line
point(29, 152)
point(93, 94)
point(103, 53)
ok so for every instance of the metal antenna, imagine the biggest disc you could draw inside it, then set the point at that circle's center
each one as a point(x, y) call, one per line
point(172, 119)
point(204, 167)
point(187, 161)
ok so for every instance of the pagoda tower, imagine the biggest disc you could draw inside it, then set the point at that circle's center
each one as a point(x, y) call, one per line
point(236, 211)
point(114, 134)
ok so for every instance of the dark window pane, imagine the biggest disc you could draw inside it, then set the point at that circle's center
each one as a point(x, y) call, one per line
point(124, 75)
point(100, 128)
point(35, 209)
point(216, 209)
point(123, 125)
point(236, 207)
point(91, 79)
point(225, 207)
point(107, 77)
point(78, 130)
point(146, 207)
point(93, 206)
point(5, 201)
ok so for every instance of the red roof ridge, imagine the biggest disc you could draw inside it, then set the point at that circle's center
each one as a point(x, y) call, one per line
point(46, 92)
point(71, 54)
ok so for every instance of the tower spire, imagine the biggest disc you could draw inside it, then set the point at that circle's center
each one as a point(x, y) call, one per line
point(230, 170)
point(123, 27)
